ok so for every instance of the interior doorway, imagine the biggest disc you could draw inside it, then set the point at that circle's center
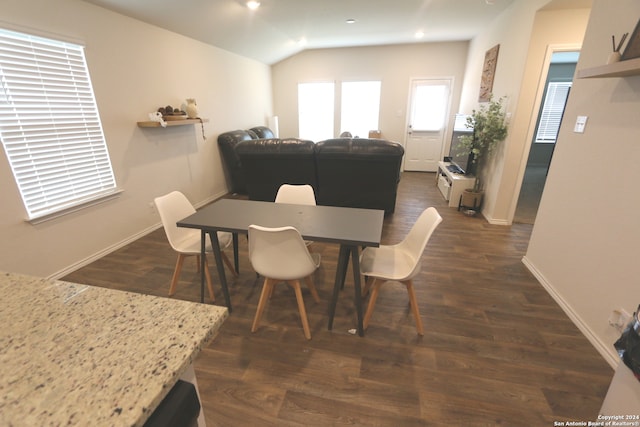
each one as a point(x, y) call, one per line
point(558, 82)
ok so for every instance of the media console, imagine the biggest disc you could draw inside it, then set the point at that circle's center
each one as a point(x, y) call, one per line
point(451, 185)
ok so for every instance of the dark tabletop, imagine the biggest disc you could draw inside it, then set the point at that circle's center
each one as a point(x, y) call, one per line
point(349, 226)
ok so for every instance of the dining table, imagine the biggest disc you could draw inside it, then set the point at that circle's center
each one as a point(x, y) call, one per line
point(351, 228)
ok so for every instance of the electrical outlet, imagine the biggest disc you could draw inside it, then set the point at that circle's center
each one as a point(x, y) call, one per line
point(152, 206)
point(619, 318)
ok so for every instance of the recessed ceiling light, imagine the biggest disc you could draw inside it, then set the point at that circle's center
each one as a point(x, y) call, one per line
point(253, 4)
point(350, 21)
point(419, 34)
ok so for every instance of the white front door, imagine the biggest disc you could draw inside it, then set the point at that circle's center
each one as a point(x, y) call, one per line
point(428, 107)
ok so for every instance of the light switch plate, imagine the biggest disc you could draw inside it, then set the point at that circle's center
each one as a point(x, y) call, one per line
point(581, 122)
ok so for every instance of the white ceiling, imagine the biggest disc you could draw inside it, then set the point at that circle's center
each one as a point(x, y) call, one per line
point(274, 31)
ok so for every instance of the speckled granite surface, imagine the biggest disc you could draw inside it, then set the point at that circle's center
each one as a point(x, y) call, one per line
point(73, 354)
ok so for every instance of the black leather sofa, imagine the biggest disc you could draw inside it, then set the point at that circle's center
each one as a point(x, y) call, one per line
point(230, 162)
point(269, 163)
point(360, 172)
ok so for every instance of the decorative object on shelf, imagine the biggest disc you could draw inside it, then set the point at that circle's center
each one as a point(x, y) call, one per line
point(489, 128)
point(169, 113)
point(633, 45)
point(615, 56)
point(157, 117)
point(488, 73)
point(191, 108)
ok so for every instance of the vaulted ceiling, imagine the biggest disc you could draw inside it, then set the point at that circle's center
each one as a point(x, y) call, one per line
point(281, 28)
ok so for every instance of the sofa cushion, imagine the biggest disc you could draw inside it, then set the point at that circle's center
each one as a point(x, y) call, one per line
point(262, 132)
point(269, 163)
point(358, 172)
point(230, 161)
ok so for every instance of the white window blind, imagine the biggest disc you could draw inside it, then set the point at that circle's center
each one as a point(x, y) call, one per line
point(49, 125)
point(552, 110)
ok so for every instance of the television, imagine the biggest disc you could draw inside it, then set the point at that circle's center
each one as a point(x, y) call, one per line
point(461, 162)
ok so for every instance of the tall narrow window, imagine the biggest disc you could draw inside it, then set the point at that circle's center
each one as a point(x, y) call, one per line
point(360, 107)
point(315, 111)
point(49, 125)
point(552, 110)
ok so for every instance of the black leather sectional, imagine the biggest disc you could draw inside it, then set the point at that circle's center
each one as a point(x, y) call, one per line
point(349, 172)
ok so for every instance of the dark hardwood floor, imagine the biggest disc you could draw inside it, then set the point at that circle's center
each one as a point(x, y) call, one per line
point(497, 349)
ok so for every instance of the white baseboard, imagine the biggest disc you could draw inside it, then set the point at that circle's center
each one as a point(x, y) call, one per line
point(605, 349)
point(106, 251)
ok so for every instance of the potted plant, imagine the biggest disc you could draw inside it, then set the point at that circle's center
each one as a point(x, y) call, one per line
point(489, 129)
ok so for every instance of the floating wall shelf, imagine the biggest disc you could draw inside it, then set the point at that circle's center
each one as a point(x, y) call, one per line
point(150, 124)
point(630, 67)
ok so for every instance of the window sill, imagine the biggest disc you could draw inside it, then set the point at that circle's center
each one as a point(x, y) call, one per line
point(75, 208)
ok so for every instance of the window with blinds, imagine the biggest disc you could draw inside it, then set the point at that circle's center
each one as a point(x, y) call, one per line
point(49, 125)
point(552, 110)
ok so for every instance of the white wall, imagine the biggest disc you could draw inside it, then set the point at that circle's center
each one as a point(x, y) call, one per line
point(584, 246)
point(135, 69)
point(524, 36)
point(393, 65)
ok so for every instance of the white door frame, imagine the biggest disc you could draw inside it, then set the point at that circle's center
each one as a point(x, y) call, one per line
point(551, 49)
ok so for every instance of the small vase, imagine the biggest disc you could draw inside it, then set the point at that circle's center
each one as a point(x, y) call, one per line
point(191, 108)
point(613, 57)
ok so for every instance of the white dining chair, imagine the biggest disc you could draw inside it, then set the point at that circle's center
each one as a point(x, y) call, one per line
point(172, 208)
point(280, 255)
point(400, 262)
point(298, 194)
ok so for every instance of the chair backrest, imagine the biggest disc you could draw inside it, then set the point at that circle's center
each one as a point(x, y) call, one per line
point(418, 237)
point(279, 253)
point(296, 194)
point(172, 208)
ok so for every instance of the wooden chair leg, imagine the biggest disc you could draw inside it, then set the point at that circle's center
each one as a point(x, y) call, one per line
point(309, 281)
point(229, 264)
point(264, 296)
point(271, 289)
point(303, 312)
point(414, 306)
point(375, 285)
point(367, 285)
point(207, 275)
point(176, 274)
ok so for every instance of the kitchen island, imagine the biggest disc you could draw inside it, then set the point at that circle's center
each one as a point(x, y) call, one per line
point(72, 354)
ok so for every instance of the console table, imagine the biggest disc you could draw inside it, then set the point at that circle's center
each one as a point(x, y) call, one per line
point(451, 185)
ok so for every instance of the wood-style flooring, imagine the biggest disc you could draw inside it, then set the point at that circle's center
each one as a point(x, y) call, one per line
point(497, 349)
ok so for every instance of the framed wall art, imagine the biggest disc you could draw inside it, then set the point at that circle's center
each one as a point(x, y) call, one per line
point(488, 72)
point(633, 45)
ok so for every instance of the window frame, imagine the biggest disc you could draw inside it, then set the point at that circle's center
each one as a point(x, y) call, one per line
point(552, 111)
point(50, 127)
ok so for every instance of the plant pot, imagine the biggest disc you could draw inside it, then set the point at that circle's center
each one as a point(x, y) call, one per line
point(470, 201)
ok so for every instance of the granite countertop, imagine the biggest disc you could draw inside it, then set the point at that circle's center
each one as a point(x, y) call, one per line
point(73, 354)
